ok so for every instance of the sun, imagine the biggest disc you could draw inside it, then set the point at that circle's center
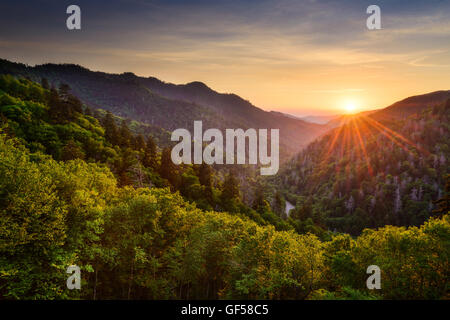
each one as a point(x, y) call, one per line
point(350, 107)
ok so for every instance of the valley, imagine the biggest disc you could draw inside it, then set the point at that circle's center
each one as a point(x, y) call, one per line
point(81, 184)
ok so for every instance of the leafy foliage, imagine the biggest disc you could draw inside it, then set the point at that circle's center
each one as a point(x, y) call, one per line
point(151, 244)
point(72, 192)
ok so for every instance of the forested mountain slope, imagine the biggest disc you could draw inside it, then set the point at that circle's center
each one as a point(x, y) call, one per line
point(167, 105)
point(78, 188)
point(398, 110)
point(150, 244)
point(56, 123)
point(370, 173)
point(411, 105)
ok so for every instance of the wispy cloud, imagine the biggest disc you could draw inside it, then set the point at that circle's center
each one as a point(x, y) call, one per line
point(278, 53)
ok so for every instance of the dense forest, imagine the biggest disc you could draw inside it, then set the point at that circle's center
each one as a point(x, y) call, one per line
point(82, 186)
point(55, 122)
point(370, 173)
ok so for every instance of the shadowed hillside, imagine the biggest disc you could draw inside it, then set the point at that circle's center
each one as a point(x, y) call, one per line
point(168, 105)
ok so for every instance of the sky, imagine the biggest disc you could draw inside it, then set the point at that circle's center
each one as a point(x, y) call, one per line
point(307, 57)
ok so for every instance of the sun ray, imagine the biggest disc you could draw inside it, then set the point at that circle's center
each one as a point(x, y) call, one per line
point(409, 142)
point(363, 148)
point(350, 140)
point(383, 131)
point(333, 142)
point(383, 128)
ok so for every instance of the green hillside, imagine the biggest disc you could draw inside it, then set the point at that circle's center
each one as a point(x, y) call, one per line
point(75, 189)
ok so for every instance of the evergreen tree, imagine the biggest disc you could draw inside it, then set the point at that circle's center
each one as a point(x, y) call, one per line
point(167, 169)
point(259, 202)
point(205, 175)
point(125, 135)
point(230, 192)
point(74, 105)
point(123, 165)
point(278, 204)
point(54, 104)
point(150, 154)
point(111, 130)
point(64, 90)
point(205, 178)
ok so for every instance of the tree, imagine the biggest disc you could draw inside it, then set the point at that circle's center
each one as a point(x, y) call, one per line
point(74, 105)
point(123, 165)
point(32, 229)
point(72, 151)
point(139, 142)
point(205, 175)
point(167, 169)
point(150, 156)
point(259, 202)
point(111, 131)
point(125, 135)
point(64, 89)
point(230, 192)
point(278, 204)
point(205, 178)
point(444, 203)
point(54, 104)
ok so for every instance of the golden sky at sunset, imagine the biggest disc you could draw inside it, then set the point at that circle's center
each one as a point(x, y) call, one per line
point(299, 57)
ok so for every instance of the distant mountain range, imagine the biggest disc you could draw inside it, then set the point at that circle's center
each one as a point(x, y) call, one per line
point(320, 119)
point(168, 105)
point(311, 119)
point(171, 106)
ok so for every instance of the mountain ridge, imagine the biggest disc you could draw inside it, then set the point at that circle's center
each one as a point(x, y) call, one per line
point(410, 105)
point(369, 173)
point(168, 105)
